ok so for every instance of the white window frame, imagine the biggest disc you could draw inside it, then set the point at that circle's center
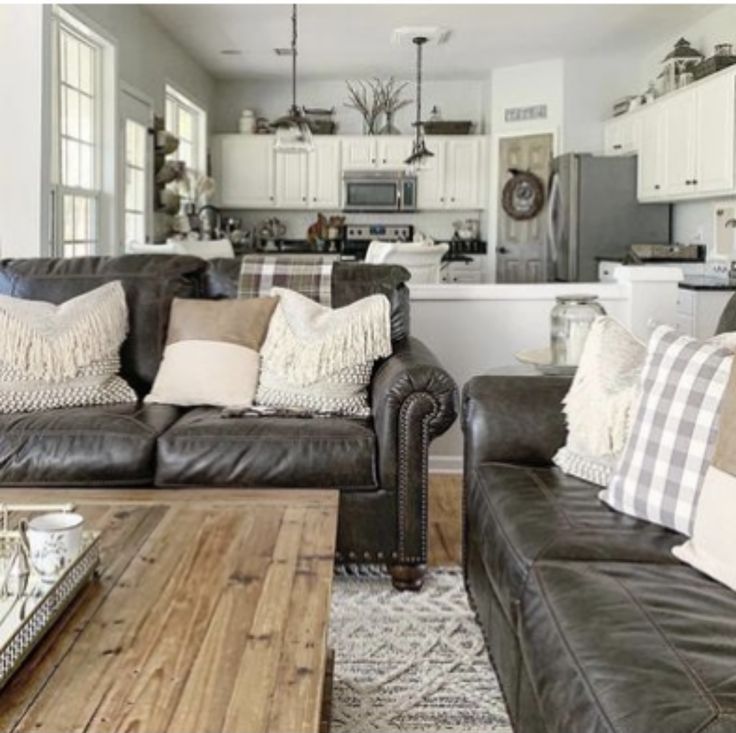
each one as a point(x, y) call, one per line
point(104, 93)
point(177, 100)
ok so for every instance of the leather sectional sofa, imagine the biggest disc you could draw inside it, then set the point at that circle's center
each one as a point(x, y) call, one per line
point(592, 624)
point(378, 464)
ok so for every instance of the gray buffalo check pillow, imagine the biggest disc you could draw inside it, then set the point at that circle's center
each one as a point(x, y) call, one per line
point(673, 435)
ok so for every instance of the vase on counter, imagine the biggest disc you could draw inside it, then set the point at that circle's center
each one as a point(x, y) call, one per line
point(571, 319)
point(389, 128)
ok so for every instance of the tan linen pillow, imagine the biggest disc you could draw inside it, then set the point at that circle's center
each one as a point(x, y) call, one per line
point(712, 548)
point(211, 355)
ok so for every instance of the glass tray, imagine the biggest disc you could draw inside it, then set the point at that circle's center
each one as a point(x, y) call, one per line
point(24, 619)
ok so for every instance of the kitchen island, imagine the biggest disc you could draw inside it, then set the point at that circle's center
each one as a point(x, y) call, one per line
point(474, 328)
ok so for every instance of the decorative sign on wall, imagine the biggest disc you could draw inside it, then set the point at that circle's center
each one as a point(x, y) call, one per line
point(522, 114)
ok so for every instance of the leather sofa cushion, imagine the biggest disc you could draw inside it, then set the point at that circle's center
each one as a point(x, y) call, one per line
point(520, 515)
point(150, 283)
point(114, 445)
point(630, 647)
point(350, 282)
point(205, 449)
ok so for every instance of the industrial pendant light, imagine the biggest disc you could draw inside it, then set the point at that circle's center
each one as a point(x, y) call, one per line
point(293, 134)
point(419, 152)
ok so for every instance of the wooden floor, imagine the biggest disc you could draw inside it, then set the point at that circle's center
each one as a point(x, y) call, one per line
point(445, 524)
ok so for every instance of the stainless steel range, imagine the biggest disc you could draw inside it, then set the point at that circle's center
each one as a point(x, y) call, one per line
point(359, 236)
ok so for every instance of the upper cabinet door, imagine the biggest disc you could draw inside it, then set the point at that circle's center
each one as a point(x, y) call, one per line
point(431, 177)
point(714, 138)
point(324, 174)
point(462, 172)
point(652, 154)
point(621, 135)
point(392, 151)
point(359, 152)
point(292, 180)
point(243, 166)
point(680, 144)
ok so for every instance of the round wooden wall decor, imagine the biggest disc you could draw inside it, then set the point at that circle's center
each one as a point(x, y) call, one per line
point(523, 195)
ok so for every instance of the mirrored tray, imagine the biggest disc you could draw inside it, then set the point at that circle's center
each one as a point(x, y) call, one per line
point(26, 617)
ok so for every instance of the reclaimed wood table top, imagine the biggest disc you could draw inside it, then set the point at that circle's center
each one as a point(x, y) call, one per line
point(210, 615)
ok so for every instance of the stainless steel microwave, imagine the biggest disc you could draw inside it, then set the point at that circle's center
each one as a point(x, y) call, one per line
point(379, 191)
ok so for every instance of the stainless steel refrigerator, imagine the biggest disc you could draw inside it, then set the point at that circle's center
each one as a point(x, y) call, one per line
point(593, 213)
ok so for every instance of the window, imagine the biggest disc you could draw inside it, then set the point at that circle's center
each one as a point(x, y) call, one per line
point(189, 123)
point(77, 140)
point(136, 136)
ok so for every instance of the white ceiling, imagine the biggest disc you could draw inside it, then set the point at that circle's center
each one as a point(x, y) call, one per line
point(344, 41)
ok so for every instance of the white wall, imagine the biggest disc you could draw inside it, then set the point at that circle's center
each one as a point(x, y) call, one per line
point(148, 57)
point(23, 138)
point(271, 98)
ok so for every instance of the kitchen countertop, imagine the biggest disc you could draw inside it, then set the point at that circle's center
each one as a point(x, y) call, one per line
point(706, 283)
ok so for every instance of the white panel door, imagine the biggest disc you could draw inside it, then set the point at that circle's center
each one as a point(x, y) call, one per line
point(359, 153)
point(392, 151)
point(652, 162)
point(243, 166)
point(680, 144)
point(292, 180)
point(714, 101)
point(462, 173)
point(324, 174)
point(431, 177)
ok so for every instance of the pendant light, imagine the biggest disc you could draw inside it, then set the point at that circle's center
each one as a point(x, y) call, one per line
point(419, 152)
point(293, 134)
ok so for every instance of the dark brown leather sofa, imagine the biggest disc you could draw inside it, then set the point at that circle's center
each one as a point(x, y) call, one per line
point(379, 464)
point(592, 624)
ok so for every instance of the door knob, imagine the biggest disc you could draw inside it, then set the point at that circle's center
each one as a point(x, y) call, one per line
point(502, 250)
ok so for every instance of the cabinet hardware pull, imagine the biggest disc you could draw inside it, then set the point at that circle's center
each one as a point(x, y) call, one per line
point(656, 187)
point(687, 183)
point(617, 146)
point(695, 181)
point(384, 160)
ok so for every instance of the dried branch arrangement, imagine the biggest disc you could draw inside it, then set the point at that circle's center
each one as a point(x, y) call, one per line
point(364, 97)
point(389, 95)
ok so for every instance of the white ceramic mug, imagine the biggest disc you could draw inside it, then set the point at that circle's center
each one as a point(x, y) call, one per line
point(54, 541)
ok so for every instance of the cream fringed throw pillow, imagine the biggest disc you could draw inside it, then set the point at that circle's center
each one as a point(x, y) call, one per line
point(320, 360)
point(712, 549)
point(211, 355)
point(599, 404)
point(63, 356)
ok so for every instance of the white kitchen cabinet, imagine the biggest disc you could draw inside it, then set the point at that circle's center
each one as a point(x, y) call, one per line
point(621, 135)
point(686, 142)
point(714, 136)
point(292, 180)
point(368, 152)
point(324, 174)
point(679, 130)
point(452, 179)
point(243, 168)
point(652, 155)
point(698, 311)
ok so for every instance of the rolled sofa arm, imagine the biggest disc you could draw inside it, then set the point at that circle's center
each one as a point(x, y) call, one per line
point(414, 400)
point(513, 419)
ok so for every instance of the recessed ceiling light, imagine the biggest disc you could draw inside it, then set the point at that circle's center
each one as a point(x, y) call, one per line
point(231, 52)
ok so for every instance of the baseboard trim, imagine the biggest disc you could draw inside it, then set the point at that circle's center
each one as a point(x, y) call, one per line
point(445, 464)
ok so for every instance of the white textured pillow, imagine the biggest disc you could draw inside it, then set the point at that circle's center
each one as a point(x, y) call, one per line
point(63, 355)
point(599, 404)
point(318, 359)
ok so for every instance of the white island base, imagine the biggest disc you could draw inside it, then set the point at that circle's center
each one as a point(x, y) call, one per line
point(475, 328)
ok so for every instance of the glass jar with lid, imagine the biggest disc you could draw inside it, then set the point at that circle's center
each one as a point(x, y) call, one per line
point(572, 317)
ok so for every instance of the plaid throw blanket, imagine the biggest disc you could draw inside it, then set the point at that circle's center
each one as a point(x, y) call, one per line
point(309, 275)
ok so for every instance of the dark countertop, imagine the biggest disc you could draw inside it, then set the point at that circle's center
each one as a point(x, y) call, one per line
point(706, 283)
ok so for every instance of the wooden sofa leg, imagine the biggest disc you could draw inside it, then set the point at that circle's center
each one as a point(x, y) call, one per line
point(407, 577)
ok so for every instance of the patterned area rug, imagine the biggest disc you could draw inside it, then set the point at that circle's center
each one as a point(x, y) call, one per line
point(410, 661)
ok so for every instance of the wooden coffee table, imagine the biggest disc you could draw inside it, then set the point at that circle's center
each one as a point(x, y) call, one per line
point(210, 614)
